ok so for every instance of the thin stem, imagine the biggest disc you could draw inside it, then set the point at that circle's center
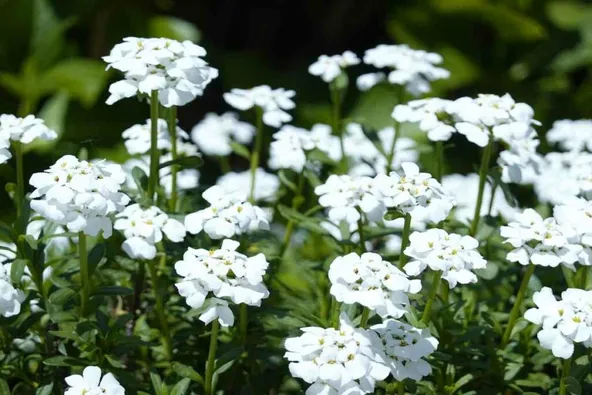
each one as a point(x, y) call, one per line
point(583, 276)
point(482, 177)
point(209, 390)
point(153, 177)
point(517, 304)
point(244, 323)
point(390, 160)
point(255, 155)
point(361, 234)
point(20, 176)
point(439, 160)
point(224, 165)
point(172, 126)
point(84, 276)
point(335, 309)
point(492, 199)
point(425, 317)
point(164, 325)
point(401, 388)
point(405, 240)
point(296, 203)
point(139, 286)
point(364, 318)
point(564, 375)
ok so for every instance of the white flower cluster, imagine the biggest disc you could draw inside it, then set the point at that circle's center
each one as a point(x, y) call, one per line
point(174, 69)
point(564, 175)
point(336, 361)
point(347, 197)
point(143, 229)
point(371, 282)
point(91, 383)
point(228, 215)
point(227, 274)
point(403, 348)
point(214, 133)
point(413, 69)
point(454, 255)
point(24, 130)
point(571, 135)
point(330, 67)
point(266, 184)
point(137, 137)
point(291, 144)
point(564, 322)
point(10, 297)
point(273, 102)
point(79, 194)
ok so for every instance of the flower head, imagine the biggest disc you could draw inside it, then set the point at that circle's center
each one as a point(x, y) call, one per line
point(330, 67)
point(137, 137)
point(10, 297)
point(273, 102)
point(571, 135)
point(25, 130)
point(266, 184)
point(91, 383)
point(215, 133)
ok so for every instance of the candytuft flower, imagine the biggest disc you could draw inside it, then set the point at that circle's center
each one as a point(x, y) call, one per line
point(90, 382)
point(571, 135)
point(137, 137)
point(24, 130)
point(329, 67)
point(273, 102)
point(266, 184)
point(10, 297)
point(214, 134)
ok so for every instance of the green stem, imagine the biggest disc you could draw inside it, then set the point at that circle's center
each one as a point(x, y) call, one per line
point(405, 240)
point(224, 165)
point(491, 200)
point(164, 325)
point(439, 160)
point(153, 177)
point(244, 323)
point(361, 233)
point(564, 375)
point(425, 317)
point(296, 203)
point(84, 276)
point(482, 177)
point(255, 155)
point(20, 176)
point(583, 276)
point(172, 126)
point(139, 286)
point(336, 122)
point(209, 390)
point(517, 305)
point(335, 309)
point(365, 317)
point(401, 388)
point(390, 160)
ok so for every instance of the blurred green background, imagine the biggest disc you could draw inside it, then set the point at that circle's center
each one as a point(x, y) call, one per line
point(539, 51)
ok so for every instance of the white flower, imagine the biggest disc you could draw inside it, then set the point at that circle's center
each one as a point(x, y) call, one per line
point(91, 383)
point(367, 81)
point(273, 102)
point(137, 137)
point(335, 361)
point(454, 255)
point(79, 195)
point(57, 245)
point(403, 348)
point(564, 175)
point(228, 215)
point(10, 297)
point(266, 184)
point(371, 282)
point(144, 228)
point(174, 69)
point(217, 309)
point(25, 130)
point(571, 135)
point(214, 133)
point(329, 67)
point(563, 322)
point(431, 115)
point(413, 69)
point(224, 272)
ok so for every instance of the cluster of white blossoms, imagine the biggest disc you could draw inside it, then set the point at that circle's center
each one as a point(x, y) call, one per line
point(273, 102)
point(137, 137)
point(571, 135)
point(228, 215)
point(403, 348)
point(215, 133)
point(454, 255)
point(176, 70)
point(564, 175)
point(347, 197)
point(371, 282)
point(265, 189)
point(24, 130)
point(330, 67)
point(564, 322)
point(227, 274)
point(291, 145)
point(10, 297)
point(80, 195)
point(336, 361)
point(144, 228)
point(91, 383)
point(411, 68)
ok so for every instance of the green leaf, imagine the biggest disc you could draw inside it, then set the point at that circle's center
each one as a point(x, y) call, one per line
point(187, 372)
point(572, 386)
point(320, 156)
point(174, 28)
point(61, 296)
point(310, 223)
point(569, 14)
point(116, 363)
point(45, 390)
point(393, 214)
point(312, 178)
point(231, 355)
point(240, 150)
point(284, 179)
point(113, 291)
point(48, 34)
point(94, 257)
point(63, 316)
point(9, 232)
point(192, 162)
point(159, 387)
point(140, 178)
point(4, 390)
point(181, 387)
point(17, 269)
point(464, 380)
point(20, 225)
point(59, 360)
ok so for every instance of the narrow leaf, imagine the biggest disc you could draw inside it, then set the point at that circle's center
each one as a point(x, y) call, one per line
point(61, 296)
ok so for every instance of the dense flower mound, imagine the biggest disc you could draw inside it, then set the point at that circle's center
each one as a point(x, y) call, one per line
point(91, 383)
point(330, 67)
point(225, 273)
point(228, 215)
point(454, 255)
point(266, 184)
point(144, 228)
point(24, 130)
point(411, 68)
point(79, 194)
point(176, 70)
point(137, 137)
point(215, 133)
point(564, 322)
point(371, 282)
point(571, 135)
point(335, 361)
point(10, 297)
point(564, 175)
point(403, 348)
point(273, 102)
